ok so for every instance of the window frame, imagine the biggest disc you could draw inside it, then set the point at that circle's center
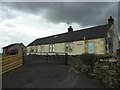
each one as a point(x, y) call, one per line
point(68, 46)
point(31, 50)
point(51, 47)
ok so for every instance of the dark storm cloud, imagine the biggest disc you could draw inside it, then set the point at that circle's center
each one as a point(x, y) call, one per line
point(82, 13)
point(85, 14)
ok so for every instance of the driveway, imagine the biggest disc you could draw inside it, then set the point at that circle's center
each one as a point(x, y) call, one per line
point(47, 76)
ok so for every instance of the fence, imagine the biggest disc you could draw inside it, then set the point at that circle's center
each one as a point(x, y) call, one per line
point(46, 58)
point(10, 62)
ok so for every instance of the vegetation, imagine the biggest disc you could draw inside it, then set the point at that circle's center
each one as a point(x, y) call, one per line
point(84, 63)
point(89, 60)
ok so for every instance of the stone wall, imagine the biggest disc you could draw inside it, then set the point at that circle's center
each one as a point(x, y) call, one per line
point(106, 69)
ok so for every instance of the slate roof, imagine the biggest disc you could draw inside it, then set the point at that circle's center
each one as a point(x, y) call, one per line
point(12, 45)
point(89, 33)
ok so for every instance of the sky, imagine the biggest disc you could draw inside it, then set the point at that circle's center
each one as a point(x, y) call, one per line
point(27, 21)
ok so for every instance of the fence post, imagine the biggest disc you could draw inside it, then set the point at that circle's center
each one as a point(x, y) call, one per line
point(66, 58)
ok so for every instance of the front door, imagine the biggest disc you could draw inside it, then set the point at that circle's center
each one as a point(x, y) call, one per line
point(91, 47)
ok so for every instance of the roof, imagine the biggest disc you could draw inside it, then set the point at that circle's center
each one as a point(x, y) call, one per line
point(87, 33)
point(12, 45)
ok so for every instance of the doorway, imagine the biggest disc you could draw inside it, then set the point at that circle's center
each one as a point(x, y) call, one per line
point(90, 47)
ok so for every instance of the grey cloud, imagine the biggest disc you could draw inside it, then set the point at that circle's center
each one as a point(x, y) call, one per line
point(5, 13)
point(83, 13)
point(29, 7)
point(9, 25)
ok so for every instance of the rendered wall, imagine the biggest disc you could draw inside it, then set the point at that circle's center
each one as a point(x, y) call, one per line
point(79, 47)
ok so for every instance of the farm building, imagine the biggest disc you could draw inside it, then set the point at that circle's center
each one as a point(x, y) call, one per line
point(102, 39)
point(13, 48)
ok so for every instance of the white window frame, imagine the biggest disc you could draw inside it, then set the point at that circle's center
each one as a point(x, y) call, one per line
point(42, 50)
point(31, 50)
point(68, 46)
point(51, 47)
point(36, 49)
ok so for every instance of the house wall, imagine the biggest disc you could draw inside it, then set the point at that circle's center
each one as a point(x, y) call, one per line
point(59, 47)
point(114, 40)
point(79, 47)
point(19, 47)
point(99, 45)
point(46, 48)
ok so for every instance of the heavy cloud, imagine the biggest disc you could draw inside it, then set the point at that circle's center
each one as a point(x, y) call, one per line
point(83, 13)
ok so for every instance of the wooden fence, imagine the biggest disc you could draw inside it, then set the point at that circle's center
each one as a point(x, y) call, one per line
point(10, 62)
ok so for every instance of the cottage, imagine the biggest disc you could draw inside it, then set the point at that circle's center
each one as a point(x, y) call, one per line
point(102, 39)
point(13, 48)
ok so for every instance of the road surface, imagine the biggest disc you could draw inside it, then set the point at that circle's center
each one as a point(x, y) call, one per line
point(47, 76)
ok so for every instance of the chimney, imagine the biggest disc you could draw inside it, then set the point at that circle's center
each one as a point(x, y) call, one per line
point(70, 29)
point(110, 20)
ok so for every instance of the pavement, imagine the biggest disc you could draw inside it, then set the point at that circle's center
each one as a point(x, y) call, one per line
point(47, 76)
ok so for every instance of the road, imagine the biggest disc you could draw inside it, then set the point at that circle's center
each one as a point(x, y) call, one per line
point(47, 76)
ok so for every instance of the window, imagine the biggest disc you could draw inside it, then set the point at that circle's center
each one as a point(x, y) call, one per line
point(16, 51)
point(36, 49)
point(42, 48)
point(51, 48)
point(21, 49)
point(31, 50)
point(68, 46)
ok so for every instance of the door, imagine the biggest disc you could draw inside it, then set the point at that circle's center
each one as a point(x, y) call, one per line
point(91, 47)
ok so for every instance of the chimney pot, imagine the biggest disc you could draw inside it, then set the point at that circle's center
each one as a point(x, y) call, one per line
point(70, 29)
point(110, 20)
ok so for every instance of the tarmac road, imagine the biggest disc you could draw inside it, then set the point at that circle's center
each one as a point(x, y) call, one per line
point(47, 76)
